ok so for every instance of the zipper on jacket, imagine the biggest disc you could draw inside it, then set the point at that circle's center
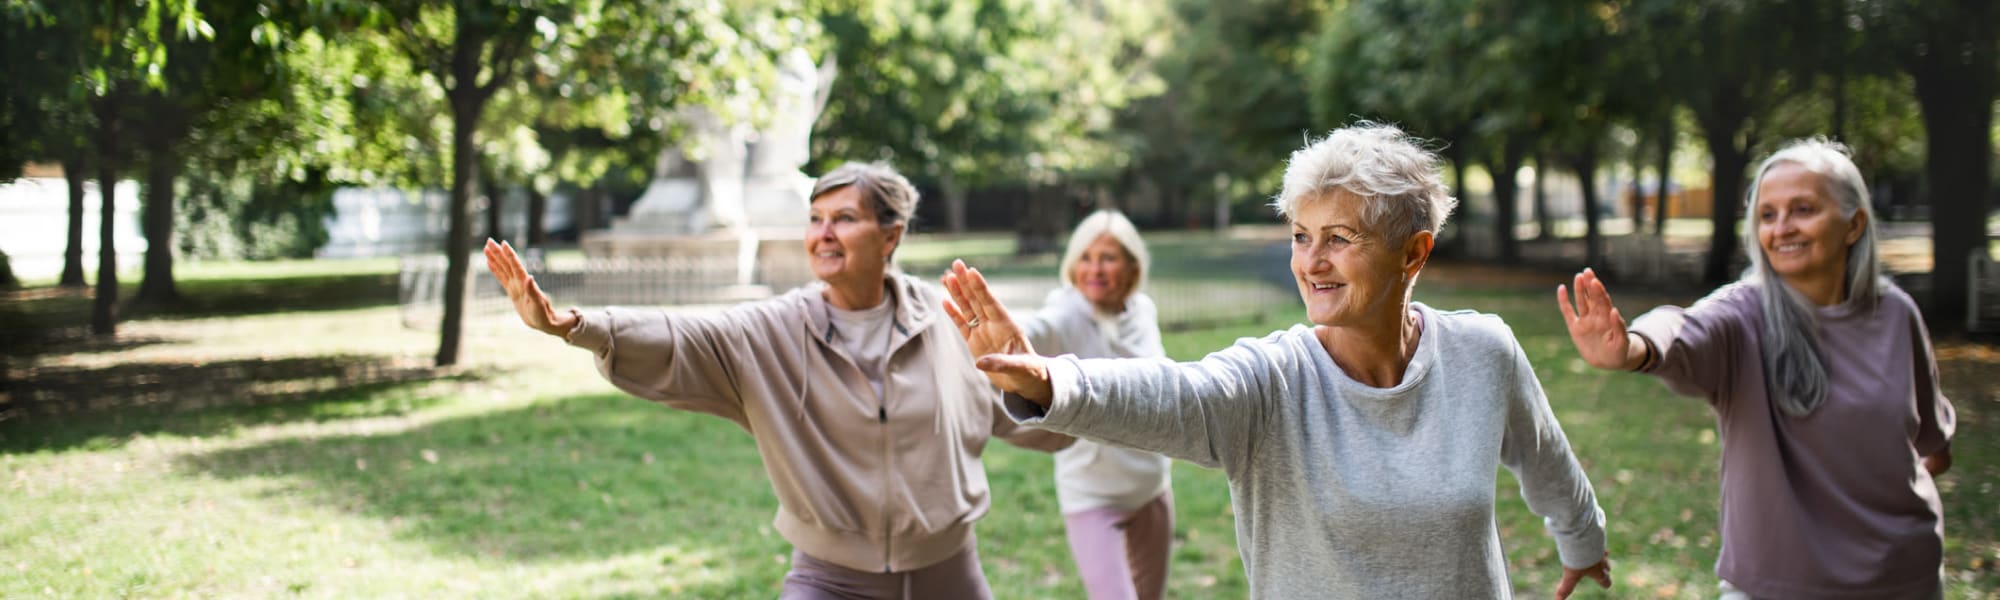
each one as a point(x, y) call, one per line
point(888, 472)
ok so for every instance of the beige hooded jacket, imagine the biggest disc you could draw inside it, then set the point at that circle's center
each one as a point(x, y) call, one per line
point(879, 484)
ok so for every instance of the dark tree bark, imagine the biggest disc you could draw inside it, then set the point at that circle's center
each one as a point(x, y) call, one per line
point(1455, 152)
point(1638, 204)
point(1722, 123)
point(538, 203)
point(1585, 164)
point(954, 202)
point(495, 205)
point(75, 174)
point(1666, 156)
point(1545, 224)
point(104, 307)
point(1505, 192)
point(1955, 87)
point(156, 287)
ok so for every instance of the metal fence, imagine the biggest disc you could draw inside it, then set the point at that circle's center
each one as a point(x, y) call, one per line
point(1983, 290)
point(1184, 303)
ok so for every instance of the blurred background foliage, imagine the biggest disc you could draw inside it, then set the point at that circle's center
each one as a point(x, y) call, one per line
point(239, 117)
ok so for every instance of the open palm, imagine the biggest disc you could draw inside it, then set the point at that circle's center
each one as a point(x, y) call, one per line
point(1594, 324)
point(997, 343)
point(527, 296)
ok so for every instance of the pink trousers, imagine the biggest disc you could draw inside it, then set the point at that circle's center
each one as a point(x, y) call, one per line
point(1122, 555)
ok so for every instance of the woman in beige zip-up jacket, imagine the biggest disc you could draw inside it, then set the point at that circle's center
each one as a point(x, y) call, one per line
point(863, 401)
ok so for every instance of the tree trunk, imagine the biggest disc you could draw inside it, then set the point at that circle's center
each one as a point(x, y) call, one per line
point(954, 202)
point(1545, 224)
point(494, 205)
point(1222, 203)
point(1724, 198)
point(468, 99)
point(7, 282)
point(1505, 192)
point(1955, 91)
point(1456, 243)
point(156, 287)
point(538, 203)
point(104, 307)
point(1638, 189)
point(75, 173)
point(1593, 237)
point(586, 208)
point(1666, 167)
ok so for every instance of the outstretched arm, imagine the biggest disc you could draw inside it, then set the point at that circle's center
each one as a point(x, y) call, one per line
point(1596, 327)
point(527, 296)
point(997, 343)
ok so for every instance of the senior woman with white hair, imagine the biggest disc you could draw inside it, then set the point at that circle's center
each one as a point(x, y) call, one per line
point(1362, 452)
point(1824, 388)
point(1117, 503)
point(868, 415)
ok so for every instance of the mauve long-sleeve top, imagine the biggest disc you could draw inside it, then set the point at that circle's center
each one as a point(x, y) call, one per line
point(1835, 504)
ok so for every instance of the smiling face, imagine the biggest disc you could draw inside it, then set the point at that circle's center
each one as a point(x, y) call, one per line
point(1801, 230)
point(1347, 273)
point(846, 244)
point(1105, 273)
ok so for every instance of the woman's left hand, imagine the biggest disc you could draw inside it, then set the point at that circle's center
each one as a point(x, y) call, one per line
point(999, 346)
point(1600, 572)
point(984, 322)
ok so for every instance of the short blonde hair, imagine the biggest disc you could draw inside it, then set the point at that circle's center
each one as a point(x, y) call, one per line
point(1401, 182)
point(1120, 228)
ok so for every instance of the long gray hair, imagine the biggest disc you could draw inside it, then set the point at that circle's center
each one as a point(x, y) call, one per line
point(1793, 369)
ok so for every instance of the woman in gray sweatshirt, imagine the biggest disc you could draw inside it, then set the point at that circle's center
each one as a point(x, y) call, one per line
point(1362, 452)
point(1824, 388)
point(864, 405)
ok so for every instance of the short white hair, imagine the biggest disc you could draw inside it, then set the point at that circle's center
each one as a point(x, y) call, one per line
point(1401, 182)
point(1120, 228)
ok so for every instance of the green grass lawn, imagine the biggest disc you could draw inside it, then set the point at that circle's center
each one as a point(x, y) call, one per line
point(286, 436)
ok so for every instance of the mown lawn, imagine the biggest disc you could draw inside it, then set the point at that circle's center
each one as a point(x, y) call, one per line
point(286, 436)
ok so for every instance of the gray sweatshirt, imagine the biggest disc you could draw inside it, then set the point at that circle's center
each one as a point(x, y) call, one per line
point(1344, 490)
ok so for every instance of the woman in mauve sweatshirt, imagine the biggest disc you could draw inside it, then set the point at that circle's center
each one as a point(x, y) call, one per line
point(1824, 388)
point(862, 399)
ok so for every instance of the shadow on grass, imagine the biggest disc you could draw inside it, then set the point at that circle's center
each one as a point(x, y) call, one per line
point(238, 297)
point(51, 319)
point(53, 408)
point(579, 478)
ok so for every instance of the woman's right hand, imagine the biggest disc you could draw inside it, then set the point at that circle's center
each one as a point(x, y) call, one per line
point(1595, 327)
point(998, 345)
point(528, 299)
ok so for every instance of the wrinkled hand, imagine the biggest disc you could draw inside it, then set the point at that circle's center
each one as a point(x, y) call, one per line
point(527, 296)
point(1000, 347)
point(1594, 324)
point(1600, 572)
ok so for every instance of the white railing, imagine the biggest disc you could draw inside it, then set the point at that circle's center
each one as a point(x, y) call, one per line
point(699, 281)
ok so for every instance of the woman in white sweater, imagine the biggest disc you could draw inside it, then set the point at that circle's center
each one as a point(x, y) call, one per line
point(1117, 504)
point(1362, 452)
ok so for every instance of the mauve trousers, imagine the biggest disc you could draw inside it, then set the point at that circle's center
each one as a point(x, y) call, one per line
point(1123, 555)
point(955, 577)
